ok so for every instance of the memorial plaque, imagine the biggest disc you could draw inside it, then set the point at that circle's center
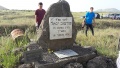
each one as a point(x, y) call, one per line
point(65, 53)
point(32, 56)
point(60, 27)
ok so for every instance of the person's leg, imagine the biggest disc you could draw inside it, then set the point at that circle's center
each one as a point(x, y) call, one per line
point(37, 27)
point(39, 24)
point(92, 30)
point(87, 27)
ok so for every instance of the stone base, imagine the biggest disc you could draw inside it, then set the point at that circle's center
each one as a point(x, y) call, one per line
point(52, 61)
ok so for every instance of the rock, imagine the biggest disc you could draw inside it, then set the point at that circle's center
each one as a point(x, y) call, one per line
point(119, 44)
point(97, 62)
point(21, 60)
point(32, 56)
point(32, 40)
point(74, 65)
point(59, 9)
point(50, 60)
point(32, 46)
point(26, 66)
point(17, 50)
point(101, 62)
point(91, 48)
point(1, 66)
point(110, 63)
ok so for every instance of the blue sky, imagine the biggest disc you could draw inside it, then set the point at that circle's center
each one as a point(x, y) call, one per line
point(76, 5)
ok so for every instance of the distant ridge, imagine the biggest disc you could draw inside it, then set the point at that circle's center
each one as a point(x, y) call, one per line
point(3, 8)
point(112, 10)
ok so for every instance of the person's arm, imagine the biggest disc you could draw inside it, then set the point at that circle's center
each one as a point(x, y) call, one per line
point(44, 13)
point(83, 23)
point(94, 20)
point(85, 17)
point(36, 18)
point(36, 15)
point(36, 23)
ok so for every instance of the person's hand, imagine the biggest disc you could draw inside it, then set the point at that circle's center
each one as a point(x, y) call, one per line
point(83, 24)
point(94, 24)
point(36, 24)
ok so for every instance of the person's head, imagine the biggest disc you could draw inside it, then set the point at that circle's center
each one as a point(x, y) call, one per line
point(40, 5)
point(91, 9)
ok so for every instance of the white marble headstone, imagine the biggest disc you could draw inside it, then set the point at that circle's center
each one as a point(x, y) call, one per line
point(60, 27)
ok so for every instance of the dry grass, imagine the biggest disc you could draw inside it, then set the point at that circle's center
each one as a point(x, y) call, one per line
point(105, 39)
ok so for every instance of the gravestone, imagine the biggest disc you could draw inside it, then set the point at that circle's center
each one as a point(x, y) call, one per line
point(58, 27)
point(58, 34)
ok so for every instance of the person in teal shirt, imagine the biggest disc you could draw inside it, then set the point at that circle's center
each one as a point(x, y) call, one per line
point(89, 20)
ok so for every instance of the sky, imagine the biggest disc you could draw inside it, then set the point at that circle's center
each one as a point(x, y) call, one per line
point(75, 5)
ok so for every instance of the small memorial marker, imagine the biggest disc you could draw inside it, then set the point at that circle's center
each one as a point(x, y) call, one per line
point(65, 53)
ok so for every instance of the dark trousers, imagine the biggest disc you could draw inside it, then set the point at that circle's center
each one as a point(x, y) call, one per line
point(39, 24)
point(91, 28)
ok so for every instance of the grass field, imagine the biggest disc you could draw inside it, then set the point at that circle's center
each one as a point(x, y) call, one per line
point(105, 39)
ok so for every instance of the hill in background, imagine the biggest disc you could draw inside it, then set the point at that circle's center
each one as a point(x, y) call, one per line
point(3, 8)
point(111, 10)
